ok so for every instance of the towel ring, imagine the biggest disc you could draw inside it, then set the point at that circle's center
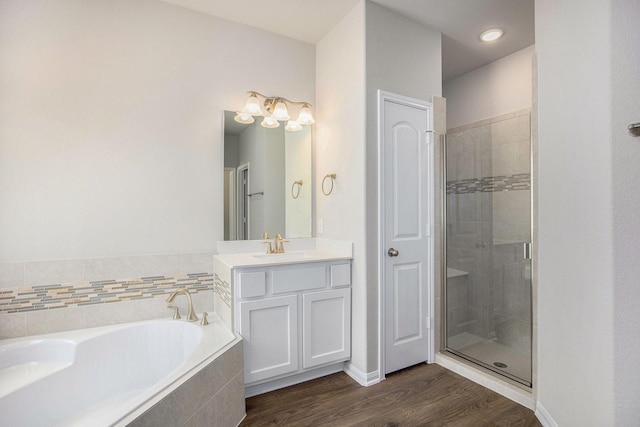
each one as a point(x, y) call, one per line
point(333, 177)
point(296, 186)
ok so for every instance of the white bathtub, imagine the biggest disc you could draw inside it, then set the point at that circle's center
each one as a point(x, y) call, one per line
point(102, 376)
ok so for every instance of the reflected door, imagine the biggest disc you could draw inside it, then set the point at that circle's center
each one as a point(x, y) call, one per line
point(488, 235)
point(243, 202)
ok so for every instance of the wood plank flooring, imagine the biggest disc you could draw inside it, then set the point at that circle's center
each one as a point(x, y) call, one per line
point(423, 395)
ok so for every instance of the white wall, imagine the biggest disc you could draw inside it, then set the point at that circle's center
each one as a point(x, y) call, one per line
point(340, 149)
point(588, 321)
point(498, 88)
point(110, 123)
point(298, 211)
point(393, 53)
point(625, 35)
point(273, 181)
point(403, 57)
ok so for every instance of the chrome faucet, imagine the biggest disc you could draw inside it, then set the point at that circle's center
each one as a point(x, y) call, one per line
point(191, 314)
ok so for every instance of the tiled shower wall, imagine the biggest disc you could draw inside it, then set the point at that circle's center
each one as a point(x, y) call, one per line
point(488, 219)
point(51, 296)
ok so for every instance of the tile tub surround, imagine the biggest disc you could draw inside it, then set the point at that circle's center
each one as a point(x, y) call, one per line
point(212, 397)
point(92, 292)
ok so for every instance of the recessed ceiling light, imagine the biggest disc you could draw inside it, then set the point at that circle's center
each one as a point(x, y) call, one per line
point(491, 35)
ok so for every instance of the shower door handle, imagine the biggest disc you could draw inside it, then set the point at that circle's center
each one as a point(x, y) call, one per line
point(527, 250)
point(393, 252)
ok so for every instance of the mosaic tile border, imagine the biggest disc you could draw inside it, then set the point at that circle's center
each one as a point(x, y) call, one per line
point(47, 297)
point(490, 184)
point(222, 289)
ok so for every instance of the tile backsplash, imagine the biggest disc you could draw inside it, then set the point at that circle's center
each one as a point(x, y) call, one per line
point(49, 296)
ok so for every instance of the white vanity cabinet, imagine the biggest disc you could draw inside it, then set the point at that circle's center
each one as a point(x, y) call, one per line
point(295, 320)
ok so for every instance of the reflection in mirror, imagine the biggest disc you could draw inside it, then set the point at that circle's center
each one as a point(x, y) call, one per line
point(267, 181)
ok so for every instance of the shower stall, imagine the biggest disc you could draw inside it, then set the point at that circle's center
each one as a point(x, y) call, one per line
point(487, 240)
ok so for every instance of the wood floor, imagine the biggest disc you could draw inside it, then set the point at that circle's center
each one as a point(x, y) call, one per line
point(423, 395)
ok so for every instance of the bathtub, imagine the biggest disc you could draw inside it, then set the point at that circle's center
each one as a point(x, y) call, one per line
point(105, 376)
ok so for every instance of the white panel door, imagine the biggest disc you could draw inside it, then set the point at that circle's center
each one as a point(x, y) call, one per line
point(326, 326)
point(269, 328)
point(407, 185)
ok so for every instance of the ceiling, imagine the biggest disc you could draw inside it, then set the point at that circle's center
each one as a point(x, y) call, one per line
point(459, 21)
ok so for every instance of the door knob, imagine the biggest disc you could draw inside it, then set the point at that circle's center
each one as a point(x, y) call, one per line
point(393, 252)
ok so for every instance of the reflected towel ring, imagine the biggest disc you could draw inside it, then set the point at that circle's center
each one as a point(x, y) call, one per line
point(296, 186)
point(333, 177)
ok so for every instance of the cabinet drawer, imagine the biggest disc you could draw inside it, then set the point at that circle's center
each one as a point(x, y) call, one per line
point(340, 275)
point(252, 284)
point(299, 279)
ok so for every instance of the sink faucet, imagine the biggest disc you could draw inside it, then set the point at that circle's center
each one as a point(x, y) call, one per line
point(265, 236)
point(277, 247)
point(191, 315)
point(278, 243)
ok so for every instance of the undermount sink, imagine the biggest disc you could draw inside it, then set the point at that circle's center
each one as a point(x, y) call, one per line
point(287, 256)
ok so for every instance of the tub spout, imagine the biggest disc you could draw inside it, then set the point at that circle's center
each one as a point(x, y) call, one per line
point(191, 314)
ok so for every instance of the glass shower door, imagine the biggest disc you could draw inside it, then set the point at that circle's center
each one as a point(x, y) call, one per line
point(488, 235)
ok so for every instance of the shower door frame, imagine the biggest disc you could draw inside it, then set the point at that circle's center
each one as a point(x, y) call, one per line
point(519, 382)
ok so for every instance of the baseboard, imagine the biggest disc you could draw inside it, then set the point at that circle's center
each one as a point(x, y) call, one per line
point(362, 378)
point(543, 416)
point(271, 385)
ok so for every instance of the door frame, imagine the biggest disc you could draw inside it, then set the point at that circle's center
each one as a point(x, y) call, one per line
point(384, 96)
point(232, 202)
point(243, 201)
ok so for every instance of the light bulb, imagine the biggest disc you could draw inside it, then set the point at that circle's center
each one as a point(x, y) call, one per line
point(242, 117)
point(293, 126)
point(280, 111)
point(270, 122)
point(253, 106)
point(305, 117)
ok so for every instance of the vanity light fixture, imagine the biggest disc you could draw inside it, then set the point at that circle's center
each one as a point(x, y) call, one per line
point(242, 117)
point(293, 126)
point(276, 109)
point(491, 35)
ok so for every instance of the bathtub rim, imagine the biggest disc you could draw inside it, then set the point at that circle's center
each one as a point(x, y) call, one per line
point(143, 407)
point(167, 384)
point(166, 391)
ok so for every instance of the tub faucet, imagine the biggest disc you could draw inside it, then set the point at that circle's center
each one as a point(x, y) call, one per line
point(191, 315)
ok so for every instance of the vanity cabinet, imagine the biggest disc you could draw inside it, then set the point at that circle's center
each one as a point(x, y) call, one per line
point(295, 320)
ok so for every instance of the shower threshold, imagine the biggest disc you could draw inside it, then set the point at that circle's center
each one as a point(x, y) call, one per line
point(493, 356)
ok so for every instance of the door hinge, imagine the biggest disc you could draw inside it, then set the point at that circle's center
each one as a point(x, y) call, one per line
point(428, 322)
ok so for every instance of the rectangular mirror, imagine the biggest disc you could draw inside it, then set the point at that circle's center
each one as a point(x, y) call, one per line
point(267, 181)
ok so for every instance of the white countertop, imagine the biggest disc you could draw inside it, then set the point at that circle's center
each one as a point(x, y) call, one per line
point(260, 259)
point(252, 253)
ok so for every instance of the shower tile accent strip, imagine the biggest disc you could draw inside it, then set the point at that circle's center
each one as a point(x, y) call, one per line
point(490, 184)
point(222, 289)
point(47, 297)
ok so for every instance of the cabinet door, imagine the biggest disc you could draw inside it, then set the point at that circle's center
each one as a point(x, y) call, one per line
point(326, 327)
point(269, 328)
